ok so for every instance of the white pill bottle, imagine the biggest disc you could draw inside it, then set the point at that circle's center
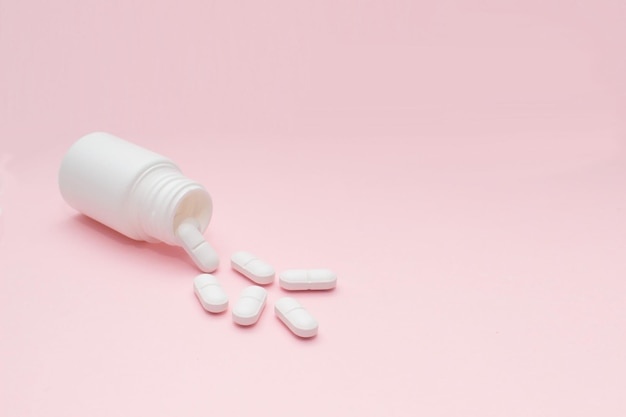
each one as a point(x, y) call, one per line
point(138, 193)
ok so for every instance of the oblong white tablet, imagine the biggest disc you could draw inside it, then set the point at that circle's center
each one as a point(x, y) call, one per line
point(249, 306)
point(252, 268)
point(210, 293)
point(192, 240)
point(308, 279)
point(295, 317)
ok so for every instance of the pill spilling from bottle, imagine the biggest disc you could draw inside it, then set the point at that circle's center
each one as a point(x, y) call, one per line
point(198, 249)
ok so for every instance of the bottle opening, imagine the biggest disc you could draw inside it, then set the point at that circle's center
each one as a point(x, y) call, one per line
point(194, 205)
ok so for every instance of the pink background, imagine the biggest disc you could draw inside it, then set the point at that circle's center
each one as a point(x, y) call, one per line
point(460, 164)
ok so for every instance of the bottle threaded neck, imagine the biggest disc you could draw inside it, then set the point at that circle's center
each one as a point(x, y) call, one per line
point(163, 198)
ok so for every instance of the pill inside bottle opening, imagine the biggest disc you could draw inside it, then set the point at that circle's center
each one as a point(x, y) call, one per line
point(192, 240)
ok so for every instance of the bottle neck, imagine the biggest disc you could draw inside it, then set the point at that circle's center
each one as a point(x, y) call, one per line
point(162, 199)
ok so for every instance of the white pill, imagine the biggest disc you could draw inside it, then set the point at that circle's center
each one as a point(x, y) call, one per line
point(192, 240)
point(308, 279)
point(295, 317)
point(210, 293)
point(249, 306)
point(252, 268)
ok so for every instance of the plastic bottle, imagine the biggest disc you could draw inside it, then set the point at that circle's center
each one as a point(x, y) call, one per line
point(138, 193)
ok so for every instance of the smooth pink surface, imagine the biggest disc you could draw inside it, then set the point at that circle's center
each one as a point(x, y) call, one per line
point(460, 164)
